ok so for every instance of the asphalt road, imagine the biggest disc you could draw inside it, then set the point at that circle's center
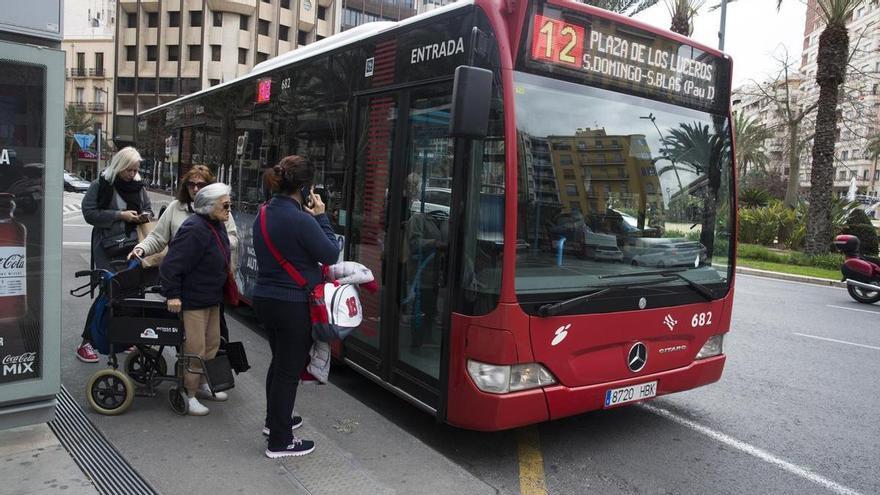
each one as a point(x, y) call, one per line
point(795, 411)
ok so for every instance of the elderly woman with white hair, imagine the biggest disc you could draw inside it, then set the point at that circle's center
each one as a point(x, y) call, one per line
point(193, 274)
point(114, 205)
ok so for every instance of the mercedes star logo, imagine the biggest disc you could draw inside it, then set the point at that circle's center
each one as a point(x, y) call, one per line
point(637, 357)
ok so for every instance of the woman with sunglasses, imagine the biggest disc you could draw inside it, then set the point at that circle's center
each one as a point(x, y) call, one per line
point(193, 274)
point(178, 211)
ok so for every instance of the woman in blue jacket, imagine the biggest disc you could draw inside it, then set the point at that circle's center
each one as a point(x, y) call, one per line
point(300, 231)
point(193, 274)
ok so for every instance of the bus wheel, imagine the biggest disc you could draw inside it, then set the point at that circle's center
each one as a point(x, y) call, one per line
point(110, 392)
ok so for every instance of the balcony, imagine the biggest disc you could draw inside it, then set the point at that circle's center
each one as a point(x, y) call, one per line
point(83, 72)
point(78, 105)
point(96, 107)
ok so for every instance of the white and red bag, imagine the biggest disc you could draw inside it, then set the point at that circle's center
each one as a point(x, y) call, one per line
point(335, 308)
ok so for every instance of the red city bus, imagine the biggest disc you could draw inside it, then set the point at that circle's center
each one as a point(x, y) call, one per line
point(576, 253)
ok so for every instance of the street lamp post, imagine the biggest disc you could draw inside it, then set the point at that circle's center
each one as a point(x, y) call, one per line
point(653, 120)
point(99, 133)
point(721, 31)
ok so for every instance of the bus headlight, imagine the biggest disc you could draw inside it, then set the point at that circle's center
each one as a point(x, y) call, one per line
point(501, 379)
point(711, 348)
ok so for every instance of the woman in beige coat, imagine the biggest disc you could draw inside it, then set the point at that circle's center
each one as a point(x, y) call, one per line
point(173, 217)
point(178, 211)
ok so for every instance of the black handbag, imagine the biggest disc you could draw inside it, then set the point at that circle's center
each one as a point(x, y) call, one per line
point(236, 354)
point(118, 245)
point(219, 373)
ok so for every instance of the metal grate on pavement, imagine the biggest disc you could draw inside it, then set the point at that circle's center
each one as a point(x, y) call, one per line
point(93, 453)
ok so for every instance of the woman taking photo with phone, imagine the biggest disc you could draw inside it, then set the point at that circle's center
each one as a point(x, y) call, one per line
point(114, 205)
point(300, 232)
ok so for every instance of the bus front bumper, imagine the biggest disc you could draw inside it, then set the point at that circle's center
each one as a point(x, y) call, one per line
point(477, 410)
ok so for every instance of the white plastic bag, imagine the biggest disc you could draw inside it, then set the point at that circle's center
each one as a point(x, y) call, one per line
point(319, 362)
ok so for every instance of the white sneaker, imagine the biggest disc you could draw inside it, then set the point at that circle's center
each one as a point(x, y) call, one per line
point(195, 408)
point(205, 393)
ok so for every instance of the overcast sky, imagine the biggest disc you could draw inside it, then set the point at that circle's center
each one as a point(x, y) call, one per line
point(756, 33)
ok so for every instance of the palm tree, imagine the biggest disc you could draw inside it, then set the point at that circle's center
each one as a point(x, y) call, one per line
point(831, 65)
point(626, 7)
point(683, 13)
point(76, 121)
point(706, 152)
point(750, 137)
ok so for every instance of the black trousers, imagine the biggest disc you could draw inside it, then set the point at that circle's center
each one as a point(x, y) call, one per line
point(290, 338)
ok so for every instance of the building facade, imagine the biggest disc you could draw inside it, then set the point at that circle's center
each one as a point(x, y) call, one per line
point(859, 108)
point(89, 27)
point(765, 105)
point(167, 49)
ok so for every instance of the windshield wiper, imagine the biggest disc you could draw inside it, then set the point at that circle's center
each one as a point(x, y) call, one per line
point(552, 309)
point(698, 287)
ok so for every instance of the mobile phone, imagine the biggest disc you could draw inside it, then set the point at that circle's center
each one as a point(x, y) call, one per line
point(306, 193)
point(144, 217)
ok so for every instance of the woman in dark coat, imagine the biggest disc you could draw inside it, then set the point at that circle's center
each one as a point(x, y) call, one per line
point(114, 205)
point(300, 230)
point(193, 274)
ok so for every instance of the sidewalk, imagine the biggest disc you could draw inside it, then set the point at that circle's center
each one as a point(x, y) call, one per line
point(32, 461)
point(789, 277)
point(358, 451)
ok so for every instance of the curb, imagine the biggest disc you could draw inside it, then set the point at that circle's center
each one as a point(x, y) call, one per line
point(790, 277)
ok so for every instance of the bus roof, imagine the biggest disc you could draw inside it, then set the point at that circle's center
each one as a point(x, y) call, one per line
point(344, 38)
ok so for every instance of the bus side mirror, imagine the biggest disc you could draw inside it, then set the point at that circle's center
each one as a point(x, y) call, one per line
point(471, 97)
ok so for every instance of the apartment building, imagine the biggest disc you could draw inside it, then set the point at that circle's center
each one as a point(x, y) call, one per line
point(357, 12)
point(859, 108)
point(89, 27)
point(764, 105)
point(170, 48)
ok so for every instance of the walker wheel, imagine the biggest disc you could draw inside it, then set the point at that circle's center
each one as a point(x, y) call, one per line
point(144, 367)
point(110, 392)
point(177, 399)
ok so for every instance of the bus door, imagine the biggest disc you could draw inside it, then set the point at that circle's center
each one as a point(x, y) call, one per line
point(400, 225)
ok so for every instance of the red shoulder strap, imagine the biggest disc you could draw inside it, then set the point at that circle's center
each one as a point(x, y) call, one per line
point(290, 269)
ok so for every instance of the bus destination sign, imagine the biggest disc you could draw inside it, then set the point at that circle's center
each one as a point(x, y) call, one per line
point(629, 58)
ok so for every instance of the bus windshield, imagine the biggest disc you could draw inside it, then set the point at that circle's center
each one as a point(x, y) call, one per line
point(613, 185)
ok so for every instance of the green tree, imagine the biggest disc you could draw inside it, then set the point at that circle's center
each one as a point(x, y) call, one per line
point(703, 150)
point(76, 121)
point(831, 62)
point(626, 7)
point(750, 137)
point(683, 13)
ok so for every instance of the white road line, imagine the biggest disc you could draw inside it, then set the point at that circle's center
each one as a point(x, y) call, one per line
point(854, 309)
point(753, 451)
point(77, 243)
point(838, 341)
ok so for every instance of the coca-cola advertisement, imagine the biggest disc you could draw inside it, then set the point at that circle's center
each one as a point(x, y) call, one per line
point(22, 175)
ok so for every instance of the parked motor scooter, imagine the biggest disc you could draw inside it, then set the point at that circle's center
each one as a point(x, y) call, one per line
point(861, 273)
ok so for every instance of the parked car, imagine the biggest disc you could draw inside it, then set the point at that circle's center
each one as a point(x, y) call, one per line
point(75, 183)
point(437, 200)
point(571, 231)
point(664, 252)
